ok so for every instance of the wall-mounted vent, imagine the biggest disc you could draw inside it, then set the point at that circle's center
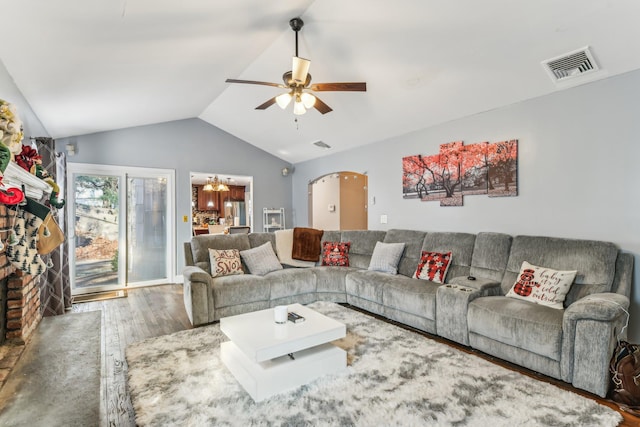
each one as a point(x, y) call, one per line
point(571, 65)
point(322, 145)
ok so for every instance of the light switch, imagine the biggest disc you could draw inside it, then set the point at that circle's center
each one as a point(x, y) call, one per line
point(185, 218)
point(383, 219)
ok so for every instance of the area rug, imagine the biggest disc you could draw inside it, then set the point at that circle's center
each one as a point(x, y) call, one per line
point(56, 382)
point(394, 377)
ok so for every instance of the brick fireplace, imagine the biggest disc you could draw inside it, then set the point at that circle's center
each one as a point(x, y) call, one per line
point(20, 300)
point(23, 306)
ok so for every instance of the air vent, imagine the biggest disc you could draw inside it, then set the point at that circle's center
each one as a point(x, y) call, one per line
point(322, 145)
point(571, 65)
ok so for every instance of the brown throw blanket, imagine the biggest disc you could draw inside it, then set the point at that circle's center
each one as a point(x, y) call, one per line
point(306, 244)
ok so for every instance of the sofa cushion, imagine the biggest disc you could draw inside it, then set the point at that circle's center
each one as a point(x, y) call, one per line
point(259, 239)
point(433, 266)
point(541, 285)
point(595, 262)
point(413, 296)
point(236, 290)
point(201, 244)
point(332, 279)
point(225, 262)
point(335, 254)
point(490, 255)
point(367, 284)
point(362, 244)
point(385, 257)
point(261, 260)
point(459, 244)
point(291, 282)
point(413, 241)
point(517, 323)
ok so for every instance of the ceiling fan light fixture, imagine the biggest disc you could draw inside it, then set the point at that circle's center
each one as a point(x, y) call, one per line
point(298, 107)
point(283, 100)
point(299, 69)
point(308, 100)
point(298, 82)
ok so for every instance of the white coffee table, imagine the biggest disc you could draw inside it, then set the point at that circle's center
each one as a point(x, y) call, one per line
point(267, 358)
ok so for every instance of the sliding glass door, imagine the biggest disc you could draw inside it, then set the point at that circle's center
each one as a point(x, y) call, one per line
point(122, 227)
point(147, 229)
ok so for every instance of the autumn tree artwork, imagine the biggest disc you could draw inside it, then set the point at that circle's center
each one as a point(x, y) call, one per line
point(461, 170)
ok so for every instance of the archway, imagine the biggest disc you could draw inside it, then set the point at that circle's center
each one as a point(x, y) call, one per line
point(338, 201)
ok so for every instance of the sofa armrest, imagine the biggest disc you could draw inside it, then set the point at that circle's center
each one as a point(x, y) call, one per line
point(196, 290)
point(602, 306)
point(591, 328)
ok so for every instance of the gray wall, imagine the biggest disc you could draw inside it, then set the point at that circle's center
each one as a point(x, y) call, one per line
point(578, 171)
point(190, 145)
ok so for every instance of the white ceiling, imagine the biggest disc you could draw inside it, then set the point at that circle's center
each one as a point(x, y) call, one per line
point(89, 66)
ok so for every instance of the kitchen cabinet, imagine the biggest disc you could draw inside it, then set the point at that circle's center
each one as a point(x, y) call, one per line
point(236, 193)
point(208, 200)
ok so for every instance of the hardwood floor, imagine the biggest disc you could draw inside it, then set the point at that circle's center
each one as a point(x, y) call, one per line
point(145, 313)
point(154, 311)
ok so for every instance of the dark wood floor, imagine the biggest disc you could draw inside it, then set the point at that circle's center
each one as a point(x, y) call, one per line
point(158, 310)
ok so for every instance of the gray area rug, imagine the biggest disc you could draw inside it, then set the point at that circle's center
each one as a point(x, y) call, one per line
point(56, 382)
point(394, 377)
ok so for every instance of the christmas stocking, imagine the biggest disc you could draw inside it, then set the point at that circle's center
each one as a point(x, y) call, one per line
point(24, 253)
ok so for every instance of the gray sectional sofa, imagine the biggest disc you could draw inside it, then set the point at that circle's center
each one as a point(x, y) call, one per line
point(573, 344)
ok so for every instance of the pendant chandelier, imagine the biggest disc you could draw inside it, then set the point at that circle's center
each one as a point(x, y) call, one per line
point(216, 185)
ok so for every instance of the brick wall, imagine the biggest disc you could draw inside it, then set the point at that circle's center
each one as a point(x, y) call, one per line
point(23, 306)
point(23, 292)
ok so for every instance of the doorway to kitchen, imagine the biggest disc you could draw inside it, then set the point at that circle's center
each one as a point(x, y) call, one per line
point(121, 227)
point(215, 209)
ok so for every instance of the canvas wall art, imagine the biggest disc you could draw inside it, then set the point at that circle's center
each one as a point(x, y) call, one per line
point(462, 170)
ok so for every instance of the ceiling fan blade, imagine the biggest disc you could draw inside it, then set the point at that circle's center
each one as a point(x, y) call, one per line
point(266, 104)
point(300, 69)
point(253, 82)
point(321, 106)
point(339, 87)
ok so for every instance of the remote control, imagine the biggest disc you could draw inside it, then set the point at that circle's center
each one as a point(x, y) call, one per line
point(295, 318)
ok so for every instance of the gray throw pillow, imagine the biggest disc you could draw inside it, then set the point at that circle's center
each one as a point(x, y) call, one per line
point(386, 257)
point(261, 259)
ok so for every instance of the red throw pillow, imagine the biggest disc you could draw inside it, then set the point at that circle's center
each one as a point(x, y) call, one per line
point(336, 253)
point(433, 266)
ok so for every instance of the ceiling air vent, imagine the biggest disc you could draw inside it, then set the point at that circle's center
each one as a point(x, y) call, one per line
point(570, 65)
point(322, 145)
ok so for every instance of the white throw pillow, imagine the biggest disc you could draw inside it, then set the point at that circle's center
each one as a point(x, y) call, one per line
point(386, 257)
point(261, 259)
point(542, 285)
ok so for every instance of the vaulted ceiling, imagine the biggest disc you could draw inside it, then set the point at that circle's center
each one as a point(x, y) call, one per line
point(90, 66)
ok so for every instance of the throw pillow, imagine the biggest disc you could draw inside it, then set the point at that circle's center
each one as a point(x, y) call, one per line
point(386, 257)
point(433, 266)
point(261, 259)
point(542, 285)
point(336, 253)
point(225, 262)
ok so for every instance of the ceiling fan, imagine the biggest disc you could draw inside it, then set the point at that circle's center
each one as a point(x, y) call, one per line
point(298, 83)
